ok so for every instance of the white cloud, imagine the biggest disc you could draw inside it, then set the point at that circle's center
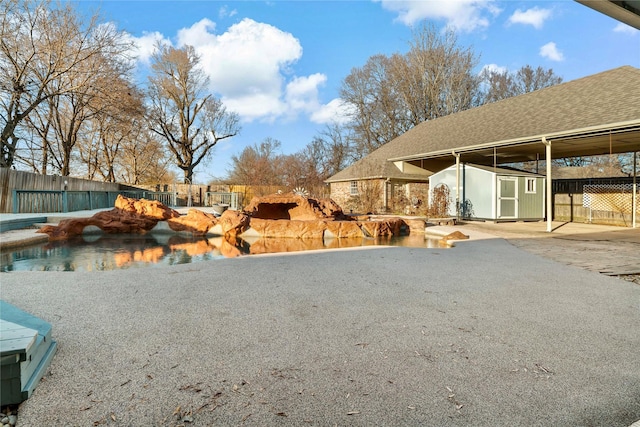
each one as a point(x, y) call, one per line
point(145, 45)
point(250, 66)
point(301, 93)
point(464, 15)
point(550, 51)
point(336, 111)
point(224, 12)
point(494, 68)
point(625, 29)
point(199, 34)
point(535, 17)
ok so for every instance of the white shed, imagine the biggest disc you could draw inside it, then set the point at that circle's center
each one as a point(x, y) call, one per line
point(492, 193)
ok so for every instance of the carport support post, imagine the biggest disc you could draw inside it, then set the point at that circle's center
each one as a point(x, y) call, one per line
point(457, 156)
point(549, 189)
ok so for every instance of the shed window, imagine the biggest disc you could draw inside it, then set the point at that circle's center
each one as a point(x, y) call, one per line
point(530, 186)
point(353, 190)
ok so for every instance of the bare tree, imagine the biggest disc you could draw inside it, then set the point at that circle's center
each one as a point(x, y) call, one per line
point(120, 115)
point(183, 113)
point(608, 165)
point(377, 115)
point(40, 48)
point(435, 78)
point(504, 84)
point(258, 164)
point(390, 95)
point(143, 159)
point(330, 151)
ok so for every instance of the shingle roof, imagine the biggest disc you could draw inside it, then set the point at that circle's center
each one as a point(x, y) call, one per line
point(606, 98)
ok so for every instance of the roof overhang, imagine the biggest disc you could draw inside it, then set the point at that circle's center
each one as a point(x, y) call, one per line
point(613, 138)
point(422, 177)
point(627, 11)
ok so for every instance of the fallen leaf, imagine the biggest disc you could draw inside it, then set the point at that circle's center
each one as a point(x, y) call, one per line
point(542, 368)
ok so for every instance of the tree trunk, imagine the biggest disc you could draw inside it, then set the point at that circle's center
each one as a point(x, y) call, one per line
point(188, 176)
point(8, 143)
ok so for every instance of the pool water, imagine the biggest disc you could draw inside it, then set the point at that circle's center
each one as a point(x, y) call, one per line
point(111, 252)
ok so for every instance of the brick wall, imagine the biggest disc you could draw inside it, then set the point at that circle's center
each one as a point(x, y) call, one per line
point(340, 193)
point(400, 196)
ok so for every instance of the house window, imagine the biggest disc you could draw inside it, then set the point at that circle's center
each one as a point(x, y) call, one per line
point(353, 189)
point(530, 186)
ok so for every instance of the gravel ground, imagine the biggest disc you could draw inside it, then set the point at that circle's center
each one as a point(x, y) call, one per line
point(484, 334)
point(611, 251)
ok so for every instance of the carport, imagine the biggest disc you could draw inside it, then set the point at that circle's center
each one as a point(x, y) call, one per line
point(594, 115)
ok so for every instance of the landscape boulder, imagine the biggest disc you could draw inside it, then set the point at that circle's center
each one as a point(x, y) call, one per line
point(195, 222)
point(130, 216)
point(292, 206)
point(277, 215)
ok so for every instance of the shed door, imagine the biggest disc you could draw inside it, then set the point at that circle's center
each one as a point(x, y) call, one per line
point(507, 197)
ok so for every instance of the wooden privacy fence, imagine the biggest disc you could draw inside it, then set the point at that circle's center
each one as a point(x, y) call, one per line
point(26, 192)
point(33, 201)
point(11, 180)
point(596, 200)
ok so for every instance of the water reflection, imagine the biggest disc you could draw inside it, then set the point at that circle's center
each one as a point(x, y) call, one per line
point(110, 252)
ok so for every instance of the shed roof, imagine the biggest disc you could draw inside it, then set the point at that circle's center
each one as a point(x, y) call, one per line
point(593, 115)
point(500, 170)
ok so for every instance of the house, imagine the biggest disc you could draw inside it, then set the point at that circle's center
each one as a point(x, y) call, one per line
point(593, 115)
point(387, 187)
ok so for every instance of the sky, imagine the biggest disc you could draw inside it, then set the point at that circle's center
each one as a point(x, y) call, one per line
point(279, 64)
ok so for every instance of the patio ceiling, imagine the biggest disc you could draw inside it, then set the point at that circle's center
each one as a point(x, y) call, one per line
point(624, 138)
point(627, 11)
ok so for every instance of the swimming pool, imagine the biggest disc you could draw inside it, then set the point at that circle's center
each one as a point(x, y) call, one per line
point(102, 252)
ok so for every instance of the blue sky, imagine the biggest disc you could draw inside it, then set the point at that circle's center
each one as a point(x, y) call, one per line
point(279, 64)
